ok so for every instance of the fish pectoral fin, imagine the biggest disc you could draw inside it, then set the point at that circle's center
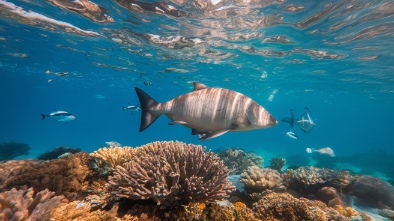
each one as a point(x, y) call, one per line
point(178, 122)
point(212, 134)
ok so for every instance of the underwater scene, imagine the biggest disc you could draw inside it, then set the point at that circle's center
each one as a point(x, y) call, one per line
point(161, 110)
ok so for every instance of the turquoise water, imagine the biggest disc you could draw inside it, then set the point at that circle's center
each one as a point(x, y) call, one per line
point(335, 57)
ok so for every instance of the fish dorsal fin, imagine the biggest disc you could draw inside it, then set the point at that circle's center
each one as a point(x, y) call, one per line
point(199, 86)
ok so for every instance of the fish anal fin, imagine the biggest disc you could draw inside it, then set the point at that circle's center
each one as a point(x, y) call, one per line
point(195, 132)
point(178, 122)
point(213, 134)
point(199, 86)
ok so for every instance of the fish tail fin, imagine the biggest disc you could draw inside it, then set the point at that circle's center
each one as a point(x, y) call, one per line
point(42, 116)
point(147, 104)
point(123, 108)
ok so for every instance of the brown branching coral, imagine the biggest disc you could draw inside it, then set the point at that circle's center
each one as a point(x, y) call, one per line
point(65, 176)
point(172, 173)
point(21, 205)
point(258, 180)
point(283, 206)
point(237, 160)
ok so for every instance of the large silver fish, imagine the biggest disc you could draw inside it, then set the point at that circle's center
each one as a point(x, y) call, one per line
point(209, 112)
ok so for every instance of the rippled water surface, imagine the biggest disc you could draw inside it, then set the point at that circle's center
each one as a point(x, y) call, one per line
point(85, 57)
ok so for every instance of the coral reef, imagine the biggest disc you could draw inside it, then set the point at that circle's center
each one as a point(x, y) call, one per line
point(77, 211)
point(283, 206)
point(57, 152)
point(373, 192)
point(171, 174)
point(9, 151)
point(237, 160)
point(308, 180)
point(113, 156)
point(65, 176)
point(21, 205)
point(259, 180)
point(277, 163)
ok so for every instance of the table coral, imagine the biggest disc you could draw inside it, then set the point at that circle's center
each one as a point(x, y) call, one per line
point(237, 160)
point(172, 173)
point(258, 180)
point(21, 205)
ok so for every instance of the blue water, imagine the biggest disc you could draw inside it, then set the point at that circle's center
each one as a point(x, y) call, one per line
point(350, 92)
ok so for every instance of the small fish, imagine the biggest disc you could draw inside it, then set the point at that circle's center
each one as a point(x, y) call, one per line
point(325, 150)
point(132, 108)
point(60, 116)
point(292, 135)
point(113, 144)
point(209, 112)
point(61, 74)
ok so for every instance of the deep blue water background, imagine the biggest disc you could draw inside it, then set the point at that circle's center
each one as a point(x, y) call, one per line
point(351, 101)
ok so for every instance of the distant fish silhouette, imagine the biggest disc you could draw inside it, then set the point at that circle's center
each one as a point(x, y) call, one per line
point(209, 112)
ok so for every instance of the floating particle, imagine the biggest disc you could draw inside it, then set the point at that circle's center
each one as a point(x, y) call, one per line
point(47, 72)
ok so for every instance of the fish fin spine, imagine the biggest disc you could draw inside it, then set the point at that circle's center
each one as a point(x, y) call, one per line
point(199, 86)
point(147, 105)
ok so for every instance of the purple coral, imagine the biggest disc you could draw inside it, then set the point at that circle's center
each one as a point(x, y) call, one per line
point(172, 173)
point(21, 205)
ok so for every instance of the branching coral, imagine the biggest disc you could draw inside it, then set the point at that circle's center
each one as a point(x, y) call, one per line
point(306, 180)
point(258, 180)
point(113, 156)
point(65, 176)
point(172, 173)
point(238, 160)
point(283, 206)
point(9, 151)
point(21, 205)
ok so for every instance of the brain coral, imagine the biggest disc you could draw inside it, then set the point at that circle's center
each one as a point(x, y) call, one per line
point(172, 173)
point(258, 180)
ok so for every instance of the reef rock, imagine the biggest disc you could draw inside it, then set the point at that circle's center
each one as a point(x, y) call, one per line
point(373, 192)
